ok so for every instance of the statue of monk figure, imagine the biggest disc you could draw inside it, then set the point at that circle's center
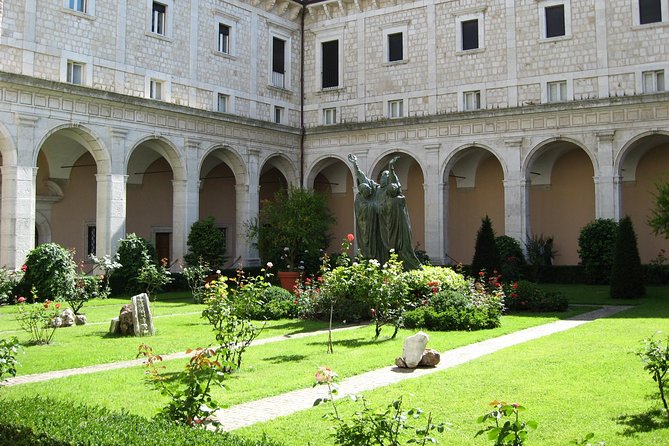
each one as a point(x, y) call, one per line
point(382, 219)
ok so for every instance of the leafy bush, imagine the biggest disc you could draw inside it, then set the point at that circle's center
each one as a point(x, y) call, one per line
point(50, 272)
point(659, 221)
point(85, 288)
point(206, 243)
point(540, 254)
point(486, 255)
point(526, 296)
point(39, 421)
point(420, 282)
point(196, 274)
point(510, 432)
point(37, 319)
point(274, 303)
point(626, 273)
point(133, 253)
point(511, 257)
point(596, 244)
point(9, 281)
point(9, 348)
point(655, 357)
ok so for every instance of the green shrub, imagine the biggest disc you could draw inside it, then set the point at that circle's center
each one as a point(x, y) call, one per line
point(526, 296)
point(486, 255)
point(540, 254)
point(626, 273)
point(50, 271)
point(420, 282)
point(511, 256)
point(9, 348)
point(9, 283)
point(133, 253)
point(206, 243)
point(595, 247)
point(39, 421)
point(85, 288)
point(274, 303)
point(659, 221)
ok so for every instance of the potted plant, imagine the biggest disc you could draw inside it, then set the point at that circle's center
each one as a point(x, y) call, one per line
point(292, 231)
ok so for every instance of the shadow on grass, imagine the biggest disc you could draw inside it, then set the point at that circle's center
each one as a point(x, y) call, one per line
point(285, 358)
point(353, 343)
point(643, 422)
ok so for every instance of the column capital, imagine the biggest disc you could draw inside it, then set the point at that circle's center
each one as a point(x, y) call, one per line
point(118, 133)
point(431, 148)
point(513, 142)
point(26, 120)
point(605, 136)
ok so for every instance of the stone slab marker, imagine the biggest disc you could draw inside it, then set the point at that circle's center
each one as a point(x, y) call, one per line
point(142, 319)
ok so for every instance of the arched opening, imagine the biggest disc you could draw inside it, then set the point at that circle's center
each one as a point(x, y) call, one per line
point(645, 163)
point(149, 195)
point(66, 192)
point(475, 189)
point(562, 196)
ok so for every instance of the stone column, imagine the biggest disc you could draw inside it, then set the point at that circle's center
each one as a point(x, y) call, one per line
point(248, 207)
point(111, 212)
point(17, 232)
point(516, 199)
point(434, 206)
point(607, 183)
point(185, 204)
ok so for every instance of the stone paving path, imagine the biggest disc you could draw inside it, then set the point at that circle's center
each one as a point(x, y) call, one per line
point(281, 405)
point(39, 377)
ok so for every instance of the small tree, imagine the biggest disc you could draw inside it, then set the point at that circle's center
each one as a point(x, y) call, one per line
point(659, 221)
point(626, 273)
point(206, 243)
point(595, 248)
point(50, 271)
point(486, 255)
point(133, 254)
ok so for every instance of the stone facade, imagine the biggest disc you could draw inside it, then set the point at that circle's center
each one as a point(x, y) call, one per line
point(579, 121)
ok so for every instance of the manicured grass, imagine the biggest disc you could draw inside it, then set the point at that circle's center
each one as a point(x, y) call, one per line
point(268, 369)
point(587, 379)
point(599, 294)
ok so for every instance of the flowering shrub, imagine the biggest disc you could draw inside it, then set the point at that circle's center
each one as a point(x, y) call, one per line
point(9, 280)
point(50, 270)
point(196, 275)
point(154, 276)
point(655, 357)
point(421, 283)
point(37, 319)
point(107, 265)
point(526, 296)
point(190, 390)
point(9, 348)
point(371, 426)
point(85, 288)
point(510, 432)
point(307, 297)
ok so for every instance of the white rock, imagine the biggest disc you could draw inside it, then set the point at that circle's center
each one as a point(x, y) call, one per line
point(414, 346)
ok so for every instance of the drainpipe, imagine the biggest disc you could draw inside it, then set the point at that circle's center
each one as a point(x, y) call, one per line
point(302, 130)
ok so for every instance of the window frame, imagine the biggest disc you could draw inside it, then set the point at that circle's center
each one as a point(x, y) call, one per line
point(333, 34)
point(329, 116)
point(543, 5)
point(636, 14)
point(80, 6)
point(393, 30)
point(395, 109)
point(69, 77)
point(225, 99)
point(467, 16)
point(223, 46)
point(166, 86)
point(167, 22)
point(90, 239)
point(279, 114)
point(560, 83)
point(656, 75)
point(287, 62)
point(478, 100)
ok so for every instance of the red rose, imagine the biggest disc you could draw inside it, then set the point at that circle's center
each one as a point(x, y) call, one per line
point(21, 299)
point(350, 238)
point(24, 268)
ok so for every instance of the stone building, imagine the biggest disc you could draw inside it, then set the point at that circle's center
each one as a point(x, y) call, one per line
point(144, 116)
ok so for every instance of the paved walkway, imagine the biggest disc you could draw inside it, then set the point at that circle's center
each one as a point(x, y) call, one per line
point(281, 405)
point(39, 377)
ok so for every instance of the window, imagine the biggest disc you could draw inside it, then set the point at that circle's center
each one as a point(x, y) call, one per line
point(158, 15)
point(77, 5)
point(91, 233)
point(329, 116)
point(223, 38)
point(650, 11)
point(156, 89)
point(470, 34)
point(278, 62)
point(555, 25)
point(557, 91)
point(222, 103)
point(330, 64)
point(395, 47)
point(278, 115)
point(653, 81)
point(472, 100)
point(396, 108)
point(75, 72)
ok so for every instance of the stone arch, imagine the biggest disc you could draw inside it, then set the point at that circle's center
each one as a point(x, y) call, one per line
point(332, 176)
point(641, 163)
point(561, 197)
point(227, 155)
point(475, 176)
point(84, 137)
point(161, 146)
point(8, 150)
point(276, 172)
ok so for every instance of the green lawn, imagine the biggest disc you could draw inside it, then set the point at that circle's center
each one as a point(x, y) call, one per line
point(583, 380)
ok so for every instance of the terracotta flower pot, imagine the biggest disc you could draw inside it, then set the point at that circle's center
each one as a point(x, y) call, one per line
point(288, 278)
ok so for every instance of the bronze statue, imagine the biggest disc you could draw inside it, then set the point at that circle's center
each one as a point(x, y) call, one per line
point(382, 219)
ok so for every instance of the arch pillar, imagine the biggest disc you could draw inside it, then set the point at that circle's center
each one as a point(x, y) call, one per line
point(17, 234)
point(110, 212)
point(516, 199)
point(185, 204)
point(434, 206)
point(607, 183)
point(248, 208)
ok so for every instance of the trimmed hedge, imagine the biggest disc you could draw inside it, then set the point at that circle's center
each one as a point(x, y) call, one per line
point(45, 422)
